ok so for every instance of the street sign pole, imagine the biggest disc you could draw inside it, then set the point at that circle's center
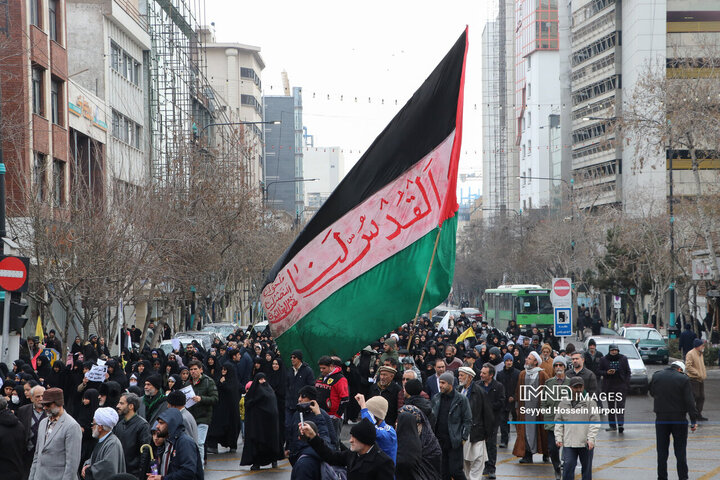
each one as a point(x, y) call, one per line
point(6, 326)
point(6, 295)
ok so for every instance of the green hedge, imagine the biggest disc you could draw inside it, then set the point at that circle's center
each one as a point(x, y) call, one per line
point(711, 353)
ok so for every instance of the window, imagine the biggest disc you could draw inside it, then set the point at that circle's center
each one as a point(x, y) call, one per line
point(529, 120)
point(39, 176)
point(126, 130)
point(56, 101)
point(124, 64)
point(528, 63)
point(35, 13)
point(52, 7)
point(530, 147)
point(58, 183)
point(523, 178)
point(37, 91)
point(115, 54)
point(529, 90)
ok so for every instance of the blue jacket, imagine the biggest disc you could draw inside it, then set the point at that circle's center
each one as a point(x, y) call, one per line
point(386, 438)
point(185, 462)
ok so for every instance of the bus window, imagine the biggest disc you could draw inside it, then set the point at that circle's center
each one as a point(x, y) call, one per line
point(545, 305)
point(526, 305)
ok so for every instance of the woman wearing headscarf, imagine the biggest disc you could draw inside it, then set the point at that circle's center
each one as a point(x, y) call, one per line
point(225, 424)
point(262, 430)
point(84, 417)
point(258, 366)
point(43, 369)
point(430, 463)
point(277, 378)
point(171, 368)
point(212, 369)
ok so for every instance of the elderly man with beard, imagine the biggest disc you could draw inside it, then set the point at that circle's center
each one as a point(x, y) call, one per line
point(531, 438)
point(389, 389)
point(549, 404)
point(107, 458)
point(57, 454)
point(31, 415)
point(474, 450)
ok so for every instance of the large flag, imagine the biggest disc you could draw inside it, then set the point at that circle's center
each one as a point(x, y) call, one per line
point(469, 333)
point(359, 268)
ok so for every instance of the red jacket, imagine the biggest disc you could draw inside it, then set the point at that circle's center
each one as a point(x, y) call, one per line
point(333, 393)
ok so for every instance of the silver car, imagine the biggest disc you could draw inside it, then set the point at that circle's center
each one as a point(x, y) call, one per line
point(638, 372)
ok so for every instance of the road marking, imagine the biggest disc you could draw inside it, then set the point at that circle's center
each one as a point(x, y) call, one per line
point(620, 460)
point(710, 474)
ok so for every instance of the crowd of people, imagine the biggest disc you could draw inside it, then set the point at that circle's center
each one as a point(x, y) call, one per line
point(420, 404)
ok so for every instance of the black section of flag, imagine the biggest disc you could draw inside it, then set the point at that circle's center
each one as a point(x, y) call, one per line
point(422, 124)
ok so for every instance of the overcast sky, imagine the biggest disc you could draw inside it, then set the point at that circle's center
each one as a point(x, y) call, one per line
point(377, 51)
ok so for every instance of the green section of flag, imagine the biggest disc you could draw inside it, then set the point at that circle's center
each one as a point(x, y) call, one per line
point(380, 300)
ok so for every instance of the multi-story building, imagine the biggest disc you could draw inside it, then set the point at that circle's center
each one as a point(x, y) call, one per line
point(500, 156)
point(327, 165)
point(33, 99)
point(537, 96)
point(234, 71)
point(108, 50)
point(284, 186)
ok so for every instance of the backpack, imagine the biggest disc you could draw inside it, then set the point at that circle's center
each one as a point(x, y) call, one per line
point(331, 472)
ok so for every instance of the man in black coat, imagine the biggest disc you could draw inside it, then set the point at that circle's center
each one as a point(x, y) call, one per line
point(299, 376)
point(365, 460)
point(133, 431)
point(686, 340)
point(482, 423)
point(673, 402)
point(508, 376)
point(12, 444)
point(30, 416)
point(389, 389)
point(496, 396)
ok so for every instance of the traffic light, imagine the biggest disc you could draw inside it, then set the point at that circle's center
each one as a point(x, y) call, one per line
point(18, 307)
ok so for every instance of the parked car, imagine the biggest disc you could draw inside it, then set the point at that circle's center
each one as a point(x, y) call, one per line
point(222, 330)
point(649, 342)
point(638, 371)
point(472, 313)
point(204, 338)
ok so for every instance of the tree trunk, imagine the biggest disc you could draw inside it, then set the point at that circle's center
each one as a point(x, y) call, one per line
point(704, 223)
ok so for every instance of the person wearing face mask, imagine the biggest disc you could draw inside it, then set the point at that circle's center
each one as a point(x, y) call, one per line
point(107, 458)
point(549, 404)
point(57, 455)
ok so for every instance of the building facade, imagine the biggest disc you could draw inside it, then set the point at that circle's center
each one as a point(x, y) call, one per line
point(500, 155)
point(327, 165)
point(33, 98)
point(108, 51)
point(234, 71)
point(284, 186)
point(537, 96)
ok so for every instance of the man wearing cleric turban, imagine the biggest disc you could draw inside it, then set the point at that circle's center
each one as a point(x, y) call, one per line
point(107, 457)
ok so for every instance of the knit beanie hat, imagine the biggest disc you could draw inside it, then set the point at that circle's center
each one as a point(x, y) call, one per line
point(155, 381)
point(413, 387)
point(508, 356)
point(364, 431)
point(447, 377)
point(378, 406)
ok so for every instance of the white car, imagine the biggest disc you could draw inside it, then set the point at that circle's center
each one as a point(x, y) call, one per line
point(638, 371)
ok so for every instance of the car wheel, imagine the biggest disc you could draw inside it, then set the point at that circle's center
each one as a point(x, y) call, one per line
point(666, 360)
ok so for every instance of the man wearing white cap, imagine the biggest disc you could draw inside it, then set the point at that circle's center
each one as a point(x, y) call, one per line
point(531, 437)
point(474, 450)
point(107, 458)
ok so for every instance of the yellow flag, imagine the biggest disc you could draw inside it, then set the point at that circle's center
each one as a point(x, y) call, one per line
point(38, 329)
point(466, 334)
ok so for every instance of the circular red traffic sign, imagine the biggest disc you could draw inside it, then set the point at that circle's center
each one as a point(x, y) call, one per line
point(561, 288)
point(13, 274)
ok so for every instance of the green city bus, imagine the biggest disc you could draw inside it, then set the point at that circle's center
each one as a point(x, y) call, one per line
point(526, 304)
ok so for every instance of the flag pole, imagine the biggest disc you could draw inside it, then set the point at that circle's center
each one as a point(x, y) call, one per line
point(422, 295)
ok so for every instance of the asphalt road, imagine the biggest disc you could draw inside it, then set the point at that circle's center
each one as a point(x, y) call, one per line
point(631, 455)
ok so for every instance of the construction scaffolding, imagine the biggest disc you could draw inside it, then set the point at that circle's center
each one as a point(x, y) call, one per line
point(500, 190)
point(180, 105)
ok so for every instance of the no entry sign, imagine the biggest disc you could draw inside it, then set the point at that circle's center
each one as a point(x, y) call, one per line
point(14, 273)
point(561, 292)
